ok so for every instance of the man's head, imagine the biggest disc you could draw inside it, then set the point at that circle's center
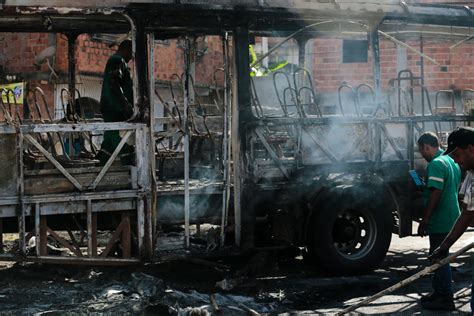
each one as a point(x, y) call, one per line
point(125, 50)
point(461, 147)
point(428, 145)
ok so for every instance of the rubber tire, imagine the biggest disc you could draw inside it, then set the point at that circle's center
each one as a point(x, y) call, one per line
point(320, 235)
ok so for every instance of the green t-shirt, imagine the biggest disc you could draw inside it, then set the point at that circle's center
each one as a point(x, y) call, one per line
point(443, 174)
point(111, 107)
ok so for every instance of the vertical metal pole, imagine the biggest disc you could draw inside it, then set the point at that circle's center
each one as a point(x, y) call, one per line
point(141, 225)
point(38, 229)
point(264, 51)
point(145, 95)
point(94, 234)
point(142, 97)
point(422, 75)
point(242, 115)
point(187, 61)
point(133, 35)
point(411, 143)
point(126, 237)
point(141, 65)
point(192, 69)
point(301, 63)
point(375, 50)
point(153, 200)
point(235, 139)
point(142, 149)
point(43, 235)
point(225, 141)
point(422, 61)
point(20, 192)
point(89, 227)
point(71, 50)
point(1, 236)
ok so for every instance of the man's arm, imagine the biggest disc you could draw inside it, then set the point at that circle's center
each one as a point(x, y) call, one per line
point(435, 196)
point(117, 90)
point(458, 229)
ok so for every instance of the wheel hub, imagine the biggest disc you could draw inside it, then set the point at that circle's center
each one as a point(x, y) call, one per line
point(354, 233)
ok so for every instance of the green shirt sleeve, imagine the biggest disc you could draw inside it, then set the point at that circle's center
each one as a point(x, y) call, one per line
point(436, 175)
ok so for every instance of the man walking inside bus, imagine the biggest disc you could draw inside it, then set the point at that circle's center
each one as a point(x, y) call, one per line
point(116, 102)
point(441, 211)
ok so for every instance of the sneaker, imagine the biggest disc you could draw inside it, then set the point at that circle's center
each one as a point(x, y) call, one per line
point(439, 304)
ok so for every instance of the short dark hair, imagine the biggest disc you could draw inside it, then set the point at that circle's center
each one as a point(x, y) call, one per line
point(428, 138)
point(125, 45)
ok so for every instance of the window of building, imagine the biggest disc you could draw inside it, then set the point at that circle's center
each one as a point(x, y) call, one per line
point(355, 51)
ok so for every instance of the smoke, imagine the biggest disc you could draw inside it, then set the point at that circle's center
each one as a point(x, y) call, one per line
point(337, 142)
point(170, 208)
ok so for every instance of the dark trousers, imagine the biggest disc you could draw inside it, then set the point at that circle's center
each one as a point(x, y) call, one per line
point(442, 278)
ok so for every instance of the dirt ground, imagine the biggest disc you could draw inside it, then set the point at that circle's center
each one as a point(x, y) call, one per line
point(288, 287)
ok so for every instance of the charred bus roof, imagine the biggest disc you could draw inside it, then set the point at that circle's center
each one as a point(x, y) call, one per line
point(277, 18)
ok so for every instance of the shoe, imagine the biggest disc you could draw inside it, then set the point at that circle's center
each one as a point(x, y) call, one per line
point(439, 303)
point(430, 297)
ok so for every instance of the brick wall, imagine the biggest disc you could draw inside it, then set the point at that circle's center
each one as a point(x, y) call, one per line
point(17, 56)
point(91, 56)
point(18, 51)
point(458, 72)
point(210, 61)
point(168, 60)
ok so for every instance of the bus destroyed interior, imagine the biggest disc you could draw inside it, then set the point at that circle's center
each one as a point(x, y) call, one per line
point(270, 128)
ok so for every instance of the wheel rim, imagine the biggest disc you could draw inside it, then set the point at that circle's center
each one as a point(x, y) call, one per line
point(354, 233)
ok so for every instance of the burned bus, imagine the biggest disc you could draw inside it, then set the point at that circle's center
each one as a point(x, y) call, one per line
point(260, 127)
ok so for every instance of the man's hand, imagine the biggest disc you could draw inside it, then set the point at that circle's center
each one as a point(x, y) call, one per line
point(438, 254)
point(422, 228)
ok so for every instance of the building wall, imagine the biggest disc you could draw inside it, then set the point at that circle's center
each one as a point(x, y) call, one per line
point(18, 51)
point(91, 56)
point(456, 70)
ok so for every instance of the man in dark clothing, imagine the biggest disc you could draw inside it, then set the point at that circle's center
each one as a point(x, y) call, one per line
point(117, 102)
point(441, 211)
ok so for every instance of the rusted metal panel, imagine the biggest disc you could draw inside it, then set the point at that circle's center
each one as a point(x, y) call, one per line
point(126, 236)
point(97, 207)
point(1, 236)
point(66, 3)
point(72, 260)
point(8, 162)
point(45, 184)
point(74, 127)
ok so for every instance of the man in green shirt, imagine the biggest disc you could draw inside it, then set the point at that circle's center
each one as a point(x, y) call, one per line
point(461, 149)
point(441, 211)
point(117, 102)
